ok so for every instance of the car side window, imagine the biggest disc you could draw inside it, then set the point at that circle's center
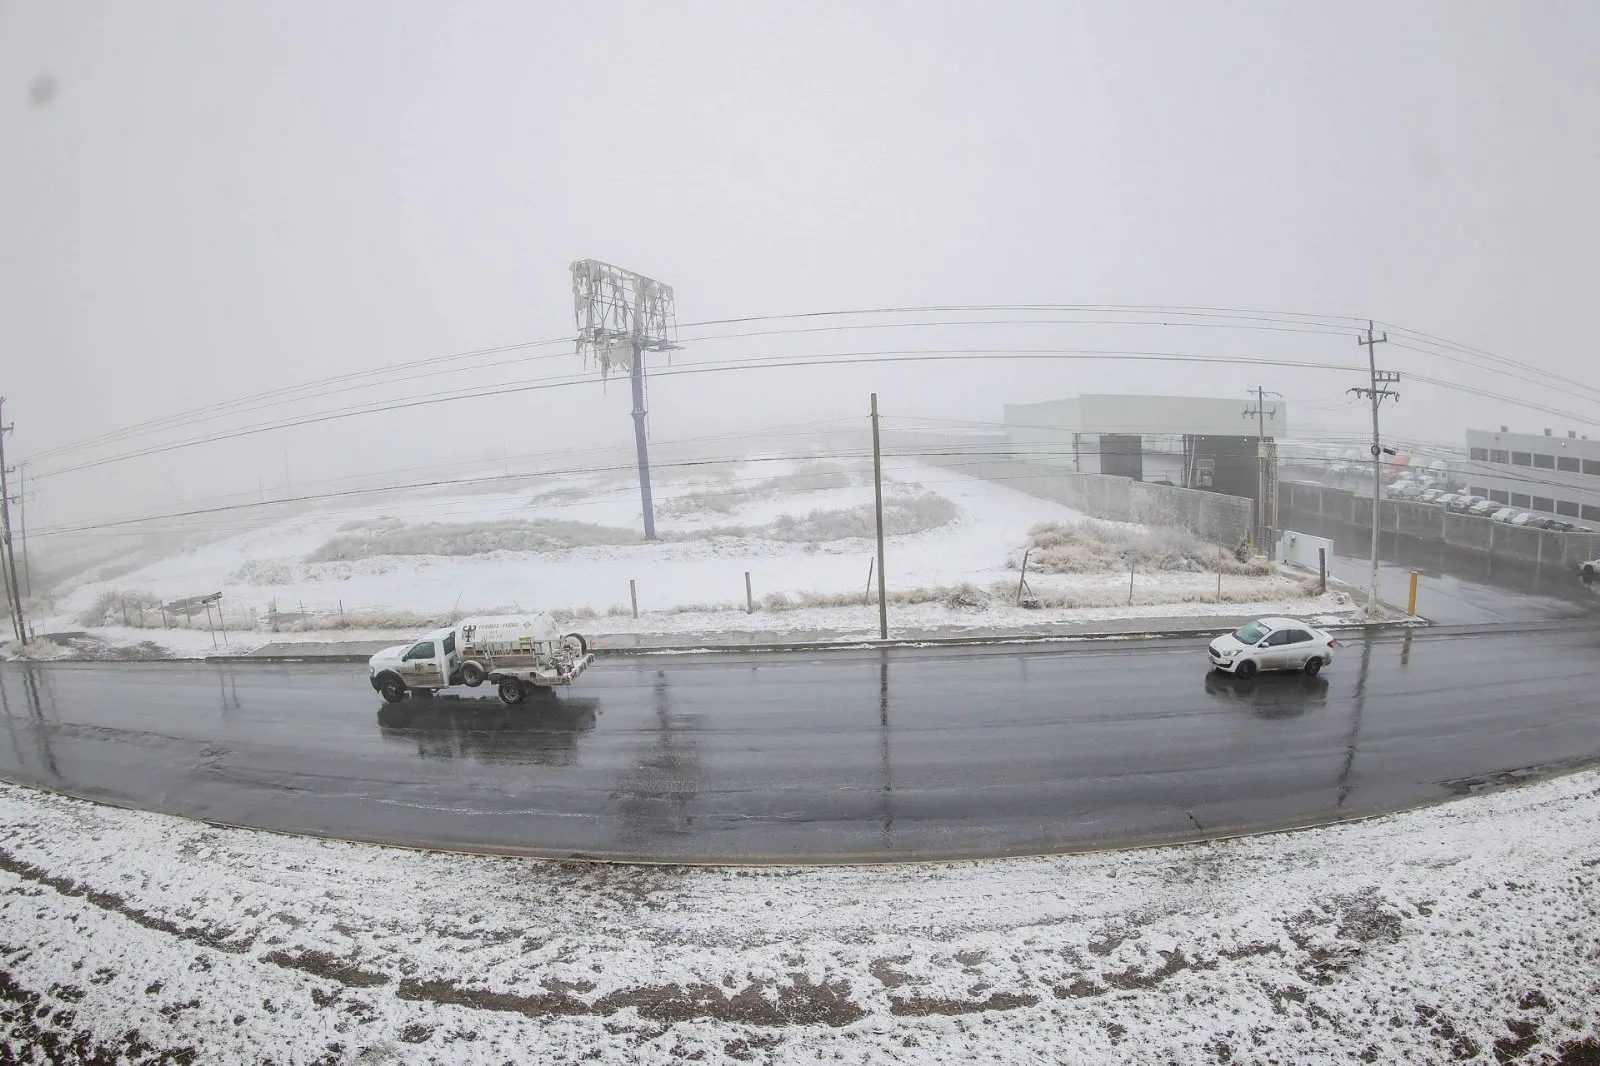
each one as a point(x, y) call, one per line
point(1278, 639)
point(421, 651)
point(1296, 636)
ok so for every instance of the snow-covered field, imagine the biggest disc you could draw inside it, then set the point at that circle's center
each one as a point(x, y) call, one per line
point(1460, 933)
point(802, 530)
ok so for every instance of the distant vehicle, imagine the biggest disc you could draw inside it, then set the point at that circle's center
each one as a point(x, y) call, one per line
point(1483, 508)
point(1590, 568)
point(1404, 489)
point(1504, 514)
point(1430, 495)
point(1461, 504)
point(1447, 499)
point(1272, 644)
point(1555, 525)
point(1525, 518)
point(517, 653)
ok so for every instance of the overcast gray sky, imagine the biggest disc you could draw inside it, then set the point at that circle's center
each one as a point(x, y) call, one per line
point(204, 201)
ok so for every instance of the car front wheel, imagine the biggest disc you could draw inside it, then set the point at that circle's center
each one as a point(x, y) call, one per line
point(1245, 669)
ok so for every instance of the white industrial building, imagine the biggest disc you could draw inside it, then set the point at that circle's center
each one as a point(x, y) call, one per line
point(1539, 472)
point(1196, 442)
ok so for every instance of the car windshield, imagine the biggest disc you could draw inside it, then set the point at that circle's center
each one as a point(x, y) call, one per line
point(1250, 634)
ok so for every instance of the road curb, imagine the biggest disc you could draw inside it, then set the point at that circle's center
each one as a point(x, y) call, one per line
point(863, 643)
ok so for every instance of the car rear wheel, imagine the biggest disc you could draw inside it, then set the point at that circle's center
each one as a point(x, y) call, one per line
point(1314, 665)
point(512, 691)
point(1245, 669)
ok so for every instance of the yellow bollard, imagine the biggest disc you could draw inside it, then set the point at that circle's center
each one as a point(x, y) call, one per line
point(1411, 604)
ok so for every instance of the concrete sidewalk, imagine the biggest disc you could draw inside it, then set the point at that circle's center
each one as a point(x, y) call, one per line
point(822, 640)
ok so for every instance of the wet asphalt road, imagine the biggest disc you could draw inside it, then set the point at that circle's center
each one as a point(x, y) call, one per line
point(843, 756)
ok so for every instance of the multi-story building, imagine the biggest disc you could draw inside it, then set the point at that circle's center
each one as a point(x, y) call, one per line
point(1539, 472)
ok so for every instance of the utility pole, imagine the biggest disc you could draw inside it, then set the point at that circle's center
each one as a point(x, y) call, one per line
point(1266, 519)
point(877, 496)
point(620, 316)
point(22, 519)
point(641, 448)
point(6, 548)
point(1377, 390)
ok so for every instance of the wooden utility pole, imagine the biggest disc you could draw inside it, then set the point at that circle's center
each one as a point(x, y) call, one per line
point(8, 555)
point(22, 520)
point(1376, 391)
point(877, 496)
point(1266, 517)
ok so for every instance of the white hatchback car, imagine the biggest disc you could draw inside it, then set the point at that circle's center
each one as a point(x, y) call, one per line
point(1273, 644)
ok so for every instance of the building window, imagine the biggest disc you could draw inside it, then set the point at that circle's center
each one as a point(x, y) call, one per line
point(1520, 499)
point(1544, 503)
point(1591, 466)
point(1567, 507)
point(1499, 496)
point(1591, 513)
point(1478, 454)
point(1497, 455)
point(1521, 459)
point(1477, 490)
point(1544, 462)
point(1569, 463)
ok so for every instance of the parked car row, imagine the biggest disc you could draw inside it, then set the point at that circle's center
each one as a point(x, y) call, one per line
point(1478, 506)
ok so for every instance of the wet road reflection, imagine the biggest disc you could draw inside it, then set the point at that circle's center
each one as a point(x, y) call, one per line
point(542, 733)
point(847, 756)
point(1269, 695)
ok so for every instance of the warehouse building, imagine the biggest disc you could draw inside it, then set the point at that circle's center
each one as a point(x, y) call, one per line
point(1539, 472)
point(1195, 442)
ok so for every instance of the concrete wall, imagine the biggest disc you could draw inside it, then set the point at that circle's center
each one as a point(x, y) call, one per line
point(1427, 522)
point(1219, 518)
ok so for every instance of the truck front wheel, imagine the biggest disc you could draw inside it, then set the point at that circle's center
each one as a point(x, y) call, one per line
point(512, 691)
point(392, 689)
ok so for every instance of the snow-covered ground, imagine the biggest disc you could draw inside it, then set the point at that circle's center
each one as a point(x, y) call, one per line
point(363, 568)
point(1460, 933)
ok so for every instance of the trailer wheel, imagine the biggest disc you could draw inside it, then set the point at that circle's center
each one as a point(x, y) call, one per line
point(575, 643)
point(392, 689)
point(472, 673)
point(512, 691)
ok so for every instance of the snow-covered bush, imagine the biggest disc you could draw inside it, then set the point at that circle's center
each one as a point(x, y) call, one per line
point(1091, 547)
point(470, 538)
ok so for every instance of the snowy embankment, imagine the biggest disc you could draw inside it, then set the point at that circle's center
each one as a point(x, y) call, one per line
point(802, 531)
point(1461, 933)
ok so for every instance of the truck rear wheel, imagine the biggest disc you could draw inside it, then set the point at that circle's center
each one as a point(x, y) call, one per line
point(472, 673)
point(512, 691)
point(392, 689)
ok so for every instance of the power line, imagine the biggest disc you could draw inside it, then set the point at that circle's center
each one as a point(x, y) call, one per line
point(768, 363)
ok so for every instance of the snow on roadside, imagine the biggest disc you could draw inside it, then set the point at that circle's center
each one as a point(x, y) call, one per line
point(1463, 932)
point(694, 586)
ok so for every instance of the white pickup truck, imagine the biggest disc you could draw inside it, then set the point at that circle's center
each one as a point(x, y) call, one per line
point(517, 653)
